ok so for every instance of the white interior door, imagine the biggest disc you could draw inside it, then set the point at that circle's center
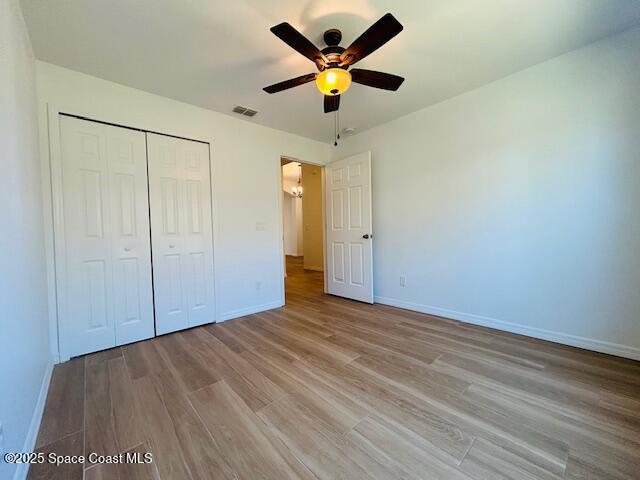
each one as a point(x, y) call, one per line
point(181, 232)
point(349, 237)
point(106, 297)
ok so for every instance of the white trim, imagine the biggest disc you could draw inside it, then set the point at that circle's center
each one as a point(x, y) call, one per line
point(56, 212)
point(250, 310)
point(47, 213)
point(34, 427)
point(283, 259)
point(214, 234)
point(550, 335)
point(323, 183)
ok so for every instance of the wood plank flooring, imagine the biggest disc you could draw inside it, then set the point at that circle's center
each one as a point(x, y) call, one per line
point(327, 388)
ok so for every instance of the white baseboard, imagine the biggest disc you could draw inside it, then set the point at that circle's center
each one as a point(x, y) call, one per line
point(557, 337)
point(250, 310)
point(312, 268)
point(34, 427)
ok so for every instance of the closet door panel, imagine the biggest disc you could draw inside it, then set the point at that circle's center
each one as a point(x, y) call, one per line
point(167, 243)
point(106, 296)
point(87, 321)
point(198, 235)
point(131, 243)
point(180, 205)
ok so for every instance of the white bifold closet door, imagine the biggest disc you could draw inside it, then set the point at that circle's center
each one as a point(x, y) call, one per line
point(181, 232)
point(105, 296)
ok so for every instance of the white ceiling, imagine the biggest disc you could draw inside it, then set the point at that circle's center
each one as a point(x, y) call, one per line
point(217, 54)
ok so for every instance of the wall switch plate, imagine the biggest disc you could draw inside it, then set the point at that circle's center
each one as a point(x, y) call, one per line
point(402, 281)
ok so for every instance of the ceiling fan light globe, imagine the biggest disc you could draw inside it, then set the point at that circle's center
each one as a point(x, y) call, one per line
point(333, 81)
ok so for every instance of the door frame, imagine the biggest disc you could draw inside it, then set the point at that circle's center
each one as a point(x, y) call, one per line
point(53, 212)
point(280, 213)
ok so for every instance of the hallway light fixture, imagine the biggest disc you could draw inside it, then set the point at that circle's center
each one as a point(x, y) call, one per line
point(297, 190)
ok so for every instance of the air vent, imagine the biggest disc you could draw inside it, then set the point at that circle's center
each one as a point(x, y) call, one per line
point(248, 112)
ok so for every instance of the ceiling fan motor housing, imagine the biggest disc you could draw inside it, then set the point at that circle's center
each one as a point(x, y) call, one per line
point(332, 37)
point(332, 51)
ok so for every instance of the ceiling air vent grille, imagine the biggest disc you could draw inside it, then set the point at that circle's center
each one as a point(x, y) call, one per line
point(248, 112)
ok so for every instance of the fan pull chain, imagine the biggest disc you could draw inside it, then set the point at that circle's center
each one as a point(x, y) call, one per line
point(335, 129)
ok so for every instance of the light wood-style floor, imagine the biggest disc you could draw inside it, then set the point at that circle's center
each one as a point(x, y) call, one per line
point(329, 388)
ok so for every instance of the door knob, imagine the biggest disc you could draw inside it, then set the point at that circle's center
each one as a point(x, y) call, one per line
point(366, 235)
point(172, 246)
point(127, 249)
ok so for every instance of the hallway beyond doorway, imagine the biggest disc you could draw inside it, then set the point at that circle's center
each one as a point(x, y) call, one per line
point(301, 282)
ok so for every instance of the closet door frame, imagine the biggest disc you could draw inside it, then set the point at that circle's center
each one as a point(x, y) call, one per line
point(53, 212)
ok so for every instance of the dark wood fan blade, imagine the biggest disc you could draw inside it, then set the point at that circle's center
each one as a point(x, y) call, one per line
point(372, 39)
point(293, 82)
point(371, 78)
point(331, 103)
point(299, 43)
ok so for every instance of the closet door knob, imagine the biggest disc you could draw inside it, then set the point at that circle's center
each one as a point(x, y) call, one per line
point(127, 249)
point(172, 245)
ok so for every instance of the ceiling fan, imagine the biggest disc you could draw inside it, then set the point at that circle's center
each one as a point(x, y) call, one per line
point(333, 61)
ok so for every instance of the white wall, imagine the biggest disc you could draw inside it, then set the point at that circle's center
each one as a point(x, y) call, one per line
point(292, 210)
point(25, 357)
point(246, 176)
point(517, 204)
point(293, 240)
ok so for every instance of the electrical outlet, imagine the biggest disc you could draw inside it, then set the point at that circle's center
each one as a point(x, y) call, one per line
point(402, 281)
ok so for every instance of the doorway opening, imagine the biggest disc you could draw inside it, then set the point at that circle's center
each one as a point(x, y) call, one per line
point(302, 227)
point(336, 240)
